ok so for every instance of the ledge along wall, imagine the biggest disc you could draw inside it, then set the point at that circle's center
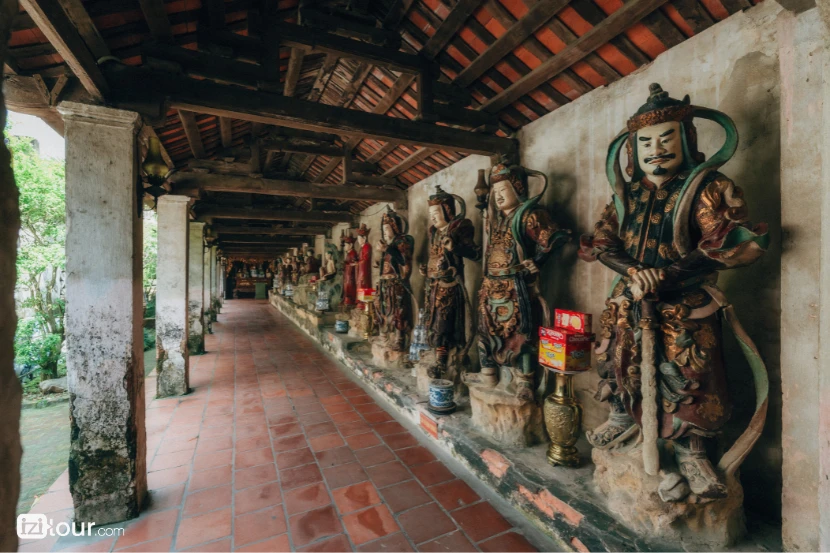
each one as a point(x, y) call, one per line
point(733, 67)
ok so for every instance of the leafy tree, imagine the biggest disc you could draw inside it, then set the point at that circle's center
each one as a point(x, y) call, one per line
point(41, 258)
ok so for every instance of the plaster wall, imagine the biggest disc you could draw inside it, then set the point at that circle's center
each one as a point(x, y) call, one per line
point(732, 67)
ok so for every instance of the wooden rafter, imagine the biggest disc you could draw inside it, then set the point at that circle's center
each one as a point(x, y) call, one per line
point(226, 132)
point(156, 17)
point(295, 63)
point(274, 215)
point(191, 130)
point(269, 230)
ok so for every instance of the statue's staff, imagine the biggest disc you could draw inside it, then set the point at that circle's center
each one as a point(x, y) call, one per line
point(648, 382)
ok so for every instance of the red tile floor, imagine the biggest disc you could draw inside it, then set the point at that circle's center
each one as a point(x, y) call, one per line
point(277, 449)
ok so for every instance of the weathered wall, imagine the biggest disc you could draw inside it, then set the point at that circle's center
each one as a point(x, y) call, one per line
point(10, 450)
point(732, 67)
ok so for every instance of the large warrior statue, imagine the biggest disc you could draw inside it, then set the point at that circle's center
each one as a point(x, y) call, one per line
point(364, 262)
point(451, 239)
point(667, 233)
point(393, 302)
point(349, 270)
point(518, 238)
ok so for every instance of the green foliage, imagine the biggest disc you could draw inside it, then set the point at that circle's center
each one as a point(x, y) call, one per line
point(149, 338)
point(150, 248)
point(36, 352)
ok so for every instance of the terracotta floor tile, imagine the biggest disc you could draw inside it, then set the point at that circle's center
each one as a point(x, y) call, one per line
point(162, 545)
point(300, 476)
point(454, 494)
point(362, 441)
point(314, 418)
point(377, 418)
point(254, 442)
point(432, 473)
point(361, 399)
point(320, 429)
point(329, 441)
point(277, 544)
point(374, 456)
point(480, 521)
point(175, 445)
point(256, 498)
point(165, 498)
point(510, 541)
point(336, 544)
point(313, 525)
point(210, 478)
point(392, 543)
point(254, 476)
point(282, 419)
point(212, 460)
point(207, 500)
point(206, 445)
point(257, 526)
point(312, 407)
point(412, 456)
point(148, 527)
point(203, 528)
point(349, 416)
point(289, 443)
point(355, 497)
point(455, 542)
point(295, 458)
point(284, 430)
point(425, 523)
point(98, 546)
point(405, 495)
point(400, 441)
point(307, 498)
point(387, 428)
point(168, 477)
point(336, 456)
point(254, 457)
point(352, 428)
point(344, 475)
point(370, 524)
point(338, 408)
point(388, 474)
point(331, 400)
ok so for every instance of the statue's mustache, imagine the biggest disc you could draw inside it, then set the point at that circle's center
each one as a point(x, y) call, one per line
point(663, 157)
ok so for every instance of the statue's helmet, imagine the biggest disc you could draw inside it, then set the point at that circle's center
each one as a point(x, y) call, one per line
point(394, 220)
point(661, 108)
point(516, 175)
point(363, 230)
point(445, 201)
point(347, 239)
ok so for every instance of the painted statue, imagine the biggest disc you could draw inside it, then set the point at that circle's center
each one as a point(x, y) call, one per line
point(451, 240)
point(518, 238)
point(312, 264)
point(364, 261)
point(296, 269)
point(328, 269)
point(667, 234)
point(393, 299)
point(349, 270)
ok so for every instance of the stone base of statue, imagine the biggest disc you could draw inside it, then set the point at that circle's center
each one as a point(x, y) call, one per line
point(504, 418)
point(384, 357)
point(301, 293)
point(451, 373)
point(694, 523)
point(358, 321)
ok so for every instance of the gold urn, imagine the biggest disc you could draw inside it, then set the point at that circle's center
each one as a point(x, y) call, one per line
point(563, 418)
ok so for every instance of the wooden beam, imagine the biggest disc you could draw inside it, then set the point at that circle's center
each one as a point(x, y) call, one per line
point(450, 27)
point(245, 239)
point(189, 181)
point(610, 27)
point(411, 161)
point(137, 85)
point(295, 64)
point(203, 64)
point(53, 22)
point(275, 215)
point(226, 132)
point(156, 16)
point(86, 28)
point(277, 145)
point(323, 77)
point(270, 230)
point(191, 130)
point(532, 21)
point(396, 13)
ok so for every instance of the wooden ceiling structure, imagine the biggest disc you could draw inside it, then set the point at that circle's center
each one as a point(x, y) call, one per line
point(299, 112)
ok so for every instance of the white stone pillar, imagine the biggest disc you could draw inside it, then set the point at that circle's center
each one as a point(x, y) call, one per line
point(208, 306)
point(195, 284)
point(172, 360)
point(805, 280)
point(104, 314)
point(213, 310)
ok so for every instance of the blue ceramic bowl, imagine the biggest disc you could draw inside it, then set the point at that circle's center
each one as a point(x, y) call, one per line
point(441, 393)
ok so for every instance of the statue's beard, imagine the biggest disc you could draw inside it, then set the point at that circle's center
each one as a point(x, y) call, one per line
point(658, 171)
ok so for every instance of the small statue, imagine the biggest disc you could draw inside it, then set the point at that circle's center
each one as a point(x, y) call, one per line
point(518, 238)
point(295, 269)
point(328, 269)
point(364, 262)
point(312, 264)
point(393, 302)
point(349, 270)
point(451, 239)
point(667, 233)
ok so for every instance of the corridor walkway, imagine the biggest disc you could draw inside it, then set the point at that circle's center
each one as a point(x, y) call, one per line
point(277, 449)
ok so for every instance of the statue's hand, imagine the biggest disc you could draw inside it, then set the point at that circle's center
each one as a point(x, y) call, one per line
point(446, 243)
point(530, 266)
point(381, 246)
point(422, 270)
point(646, 281)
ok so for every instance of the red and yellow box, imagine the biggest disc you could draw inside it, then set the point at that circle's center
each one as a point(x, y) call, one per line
point(565, 350)
point(572, 320)
point(366, 295)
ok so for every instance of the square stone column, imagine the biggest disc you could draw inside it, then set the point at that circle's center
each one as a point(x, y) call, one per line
point(172, 363)
point(195, 284)
point(213, 284)
point(206, 283)
point(104, 314)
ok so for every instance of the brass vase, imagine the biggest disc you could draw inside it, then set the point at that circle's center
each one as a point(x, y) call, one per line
point(563, 417)
point(370, 321)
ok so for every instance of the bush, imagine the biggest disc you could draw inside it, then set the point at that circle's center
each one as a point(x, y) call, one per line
point(36, 353)
point(149, 338)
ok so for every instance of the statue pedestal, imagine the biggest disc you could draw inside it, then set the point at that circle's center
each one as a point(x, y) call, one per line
point(358, 320)
point(386, 358)
point(502, 417)
point(452, 373)
point(695, 522)
point(301, 294)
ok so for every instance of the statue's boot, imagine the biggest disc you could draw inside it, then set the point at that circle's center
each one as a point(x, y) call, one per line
point(697, 470)
point(524, 387)
point(618, 428)
point(437, 369)
point(488, 376)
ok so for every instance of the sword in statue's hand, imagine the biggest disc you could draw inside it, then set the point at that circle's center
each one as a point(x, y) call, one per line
point(648, 379)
